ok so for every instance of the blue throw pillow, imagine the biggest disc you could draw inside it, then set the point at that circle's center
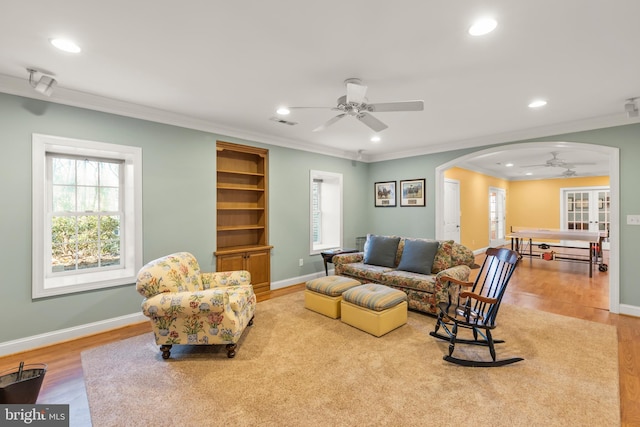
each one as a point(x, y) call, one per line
point(380, 250)
point(418, 256)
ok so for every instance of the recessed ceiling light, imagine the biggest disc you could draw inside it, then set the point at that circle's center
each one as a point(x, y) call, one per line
point(283, 111)
point(509, 165)
point(483, 26)
point(375, 138)
point(537, 103)
point(529, 173)
point(65, 45)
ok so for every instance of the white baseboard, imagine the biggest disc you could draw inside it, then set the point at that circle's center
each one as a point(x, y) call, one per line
point(295, 280)
point(41, 340)
point(480, 251)
point(630, 310)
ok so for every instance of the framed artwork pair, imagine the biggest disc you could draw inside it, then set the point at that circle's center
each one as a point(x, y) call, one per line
point(412, 193)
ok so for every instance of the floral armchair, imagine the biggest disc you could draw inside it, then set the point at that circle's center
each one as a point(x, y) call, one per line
point(186, 306)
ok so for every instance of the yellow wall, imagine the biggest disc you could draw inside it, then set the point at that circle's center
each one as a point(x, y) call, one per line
point(474, 205)
point(537, 203)
point(529, 203)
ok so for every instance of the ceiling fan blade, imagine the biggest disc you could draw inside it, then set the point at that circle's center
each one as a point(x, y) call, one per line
point(356, 93)
point(396, 106)
point(329, 122)
point(371, 121)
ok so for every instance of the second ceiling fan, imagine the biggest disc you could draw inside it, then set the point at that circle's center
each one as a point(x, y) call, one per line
point(355, 104)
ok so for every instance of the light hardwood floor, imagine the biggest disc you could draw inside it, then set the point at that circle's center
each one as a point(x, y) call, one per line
point(558, 287)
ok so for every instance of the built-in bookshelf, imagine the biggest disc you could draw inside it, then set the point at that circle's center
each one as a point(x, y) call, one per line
point(242, 210)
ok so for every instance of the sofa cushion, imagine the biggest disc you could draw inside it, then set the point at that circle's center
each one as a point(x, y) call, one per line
point(418, 255)
point(400, 279)
point(363, 272)
point(381, 250)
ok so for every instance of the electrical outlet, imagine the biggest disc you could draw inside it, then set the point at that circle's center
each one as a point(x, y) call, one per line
point(300, 262)
point(633, 219)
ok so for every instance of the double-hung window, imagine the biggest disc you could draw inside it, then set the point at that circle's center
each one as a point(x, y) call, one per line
point(86, 215)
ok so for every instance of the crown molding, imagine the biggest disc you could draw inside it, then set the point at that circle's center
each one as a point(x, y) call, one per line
point(17, 86)
point(73, 98)
point(519, 135)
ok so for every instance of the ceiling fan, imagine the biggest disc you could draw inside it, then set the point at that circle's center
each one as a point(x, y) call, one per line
point(555, 162)
point(355, 104)
point(569, 172)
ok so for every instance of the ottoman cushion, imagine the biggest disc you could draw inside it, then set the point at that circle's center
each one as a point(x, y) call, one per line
point(331, 285)
point(324, 294)
point(374, 297)
point(373, 308)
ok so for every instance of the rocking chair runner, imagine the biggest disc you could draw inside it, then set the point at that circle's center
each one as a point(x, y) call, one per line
point(476, 309)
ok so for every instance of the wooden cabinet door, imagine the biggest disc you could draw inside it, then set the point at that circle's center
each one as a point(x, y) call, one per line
point(231, 262)
point(259, 265)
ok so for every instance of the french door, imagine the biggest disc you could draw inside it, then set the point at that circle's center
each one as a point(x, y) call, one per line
point(587, 208)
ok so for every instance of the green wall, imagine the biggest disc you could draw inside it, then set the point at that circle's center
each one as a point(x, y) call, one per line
point(408, 221)
point(179, 205)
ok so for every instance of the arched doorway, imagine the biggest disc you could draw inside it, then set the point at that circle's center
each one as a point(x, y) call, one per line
point(614, 179)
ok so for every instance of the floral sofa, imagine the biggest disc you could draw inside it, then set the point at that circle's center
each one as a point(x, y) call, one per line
point(186, 306)
point(419, 277)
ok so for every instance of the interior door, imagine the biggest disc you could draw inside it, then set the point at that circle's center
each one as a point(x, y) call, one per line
point(451, 201)
point(497, 216)
point(587, 209)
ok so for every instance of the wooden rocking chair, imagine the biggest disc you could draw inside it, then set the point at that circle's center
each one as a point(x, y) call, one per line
point(476, 309)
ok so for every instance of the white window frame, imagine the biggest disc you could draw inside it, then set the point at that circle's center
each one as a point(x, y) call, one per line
point(336, 211)
point(45, 284)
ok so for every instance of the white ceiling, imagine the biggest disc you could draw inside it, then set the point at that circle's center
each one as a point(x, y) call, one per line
point(225, 66)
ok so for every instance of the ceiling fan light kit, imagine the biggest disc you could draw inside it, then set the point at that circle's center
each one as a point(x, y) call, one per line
point(356, 104)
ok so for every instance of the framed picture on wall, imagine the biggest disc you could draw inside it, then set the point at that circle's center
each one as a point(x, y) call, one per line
point(412, 192)
point(385, 194)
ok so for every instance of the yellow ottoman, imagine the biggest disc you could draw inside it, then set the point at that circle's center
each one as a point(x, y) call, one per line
point(373, 308)
point(323, 295)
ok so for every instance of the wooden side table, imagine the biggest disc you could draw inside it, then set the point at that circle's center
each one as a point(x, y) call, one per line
point(327, 256)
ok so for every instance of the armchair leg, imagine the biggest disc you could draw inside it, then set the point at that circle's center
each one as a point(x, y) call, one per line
point(251, 321)
point(231, 350)
point(166, 351)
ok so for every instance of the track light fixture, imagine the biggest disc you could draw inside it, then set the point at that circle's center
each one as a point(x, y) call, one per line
point(44, 85)
point(631, 107)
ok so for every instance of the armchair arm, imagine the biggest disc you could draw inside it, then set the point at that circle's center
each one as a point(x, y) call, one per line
point(171, 304)
point(449, 281)
point(225, 279)
point(240, 297)
point(348, 258)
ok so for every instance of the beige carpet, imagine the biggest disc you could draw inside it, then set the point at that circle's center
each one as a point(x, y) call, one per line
point(295, 367)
